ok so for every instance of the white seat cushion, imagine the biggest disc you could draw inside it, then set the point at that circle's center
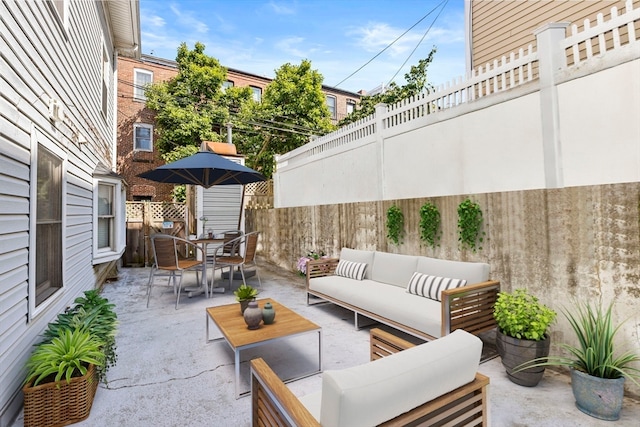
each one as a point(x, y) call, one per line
point(369, 394)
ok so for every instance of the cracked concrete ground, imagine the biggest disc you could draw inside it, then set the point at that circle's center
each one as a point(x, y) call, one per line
point(167, 375)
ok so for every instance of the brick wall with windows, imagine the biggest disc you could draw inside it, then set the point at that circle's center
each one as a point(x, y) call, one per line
point(132, 116)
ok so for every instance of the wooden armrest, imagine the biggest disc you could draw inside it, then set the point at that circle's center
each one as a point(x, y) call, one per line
point(272, 403)
point(469, 307)
point(383, 344)
point(321, 267)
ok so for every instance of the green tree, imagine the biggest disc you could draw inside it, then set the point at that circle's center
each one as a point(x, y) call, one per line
point(416, 82)
point(293, 109)
point(192, 107)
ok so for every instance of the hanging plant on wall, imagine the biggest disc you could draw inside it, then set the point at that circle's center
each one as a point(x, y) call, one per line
point(430, 231)
point(395, 224)
point(470, 220)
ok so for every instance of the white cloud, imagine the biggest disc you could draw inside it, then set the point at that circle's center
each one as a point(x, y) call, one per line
point(187, 19)
point(281, 9)
point(152, 20)
point(289, 45)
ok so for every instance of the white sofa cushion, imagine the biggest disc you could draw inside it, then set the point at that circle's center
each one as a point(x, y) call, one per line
point(378, 391)
point(472, 272)
point(351, 269)
point(357, 255)
point(428, 286)
point(394, 269)
point(390, 302)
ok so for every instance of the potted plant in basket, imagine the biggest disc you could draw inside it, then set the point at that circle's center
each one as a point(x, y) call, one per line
point(245, 294)
point(64, 370)
point(597, 374)
point(522, 334)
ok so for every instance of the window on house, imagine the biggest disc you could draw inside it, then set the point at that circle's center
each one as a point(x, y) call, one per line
point(142, 137)
point(61, 7)
point(109, 214)
point(351, 106)
point(141, 79)
point(105, 81)
point(48, 233)
point(106, 216)
point(257, 93)
point(331, 103)
point(227, 84)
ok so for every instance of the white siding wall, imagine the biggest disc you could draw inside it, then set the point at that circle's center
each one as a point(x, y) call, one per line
point(39, 61)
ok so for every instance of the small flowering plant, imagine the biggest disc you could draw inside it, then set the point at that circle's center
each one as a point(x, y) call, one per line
point(311, 255)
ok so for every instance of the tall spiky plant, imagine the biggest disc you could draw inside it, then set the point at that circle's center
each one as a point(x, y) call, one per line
point(594, 354)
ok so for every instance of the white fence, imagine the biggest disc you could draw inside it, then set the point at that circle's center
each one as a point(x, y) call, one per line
point(528, 110)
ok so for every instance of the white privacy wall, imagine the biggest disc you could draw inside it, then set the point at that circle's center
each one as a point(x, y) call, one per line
point(600, 126)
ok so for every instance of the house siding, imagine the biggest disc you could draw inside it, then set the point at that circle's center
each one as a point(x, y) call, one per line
point(501, 27)
point(41, 61)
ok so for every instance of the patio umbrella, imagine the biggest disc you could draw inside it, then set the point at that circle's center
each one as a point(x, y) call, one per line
point(204, 168)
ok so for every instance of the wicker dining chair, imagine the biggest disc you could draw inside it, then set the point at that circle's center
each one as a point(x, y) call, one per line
point(167, 257)
point(246, 257)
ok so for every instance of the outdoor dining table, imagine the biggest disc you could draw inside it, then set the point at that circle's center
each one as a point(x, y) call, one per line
point(205, 242)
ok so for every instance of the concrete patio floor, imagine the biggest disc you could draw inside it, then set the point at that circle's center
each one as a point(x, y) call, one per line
point(167, 375)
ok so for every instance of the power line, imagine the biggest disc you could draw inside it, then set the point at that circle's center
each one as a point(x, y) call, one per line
point(419, 43)
point(388, 46)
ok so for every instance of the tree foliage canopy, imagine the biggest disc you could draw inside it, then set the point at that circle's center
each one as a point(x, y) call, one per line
point(191, 107)
point(416, 82)
point(293, 109)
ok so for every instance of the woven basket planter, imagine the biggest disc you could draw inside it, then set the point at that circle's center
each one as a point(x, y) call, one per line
point(60, 403)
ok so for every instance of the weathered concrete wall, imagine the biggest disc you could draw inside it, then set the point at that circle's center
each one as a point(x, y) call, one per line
point(579, 243)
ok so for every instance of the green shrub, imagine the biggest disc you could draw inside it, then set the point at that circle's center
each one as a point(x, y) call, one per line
point(521, 315)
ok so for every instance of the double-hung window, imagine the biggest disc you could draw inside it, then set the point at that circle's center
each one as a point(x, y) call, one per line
point(331, 104)
point(109, 218)
point(257, 93)
point(141, 79)
point(142, 137)
point(48, 233)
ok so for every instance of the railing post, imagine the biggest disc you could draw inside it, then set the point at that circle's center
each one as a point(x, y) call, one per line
point(552, 58)
point(381, 111)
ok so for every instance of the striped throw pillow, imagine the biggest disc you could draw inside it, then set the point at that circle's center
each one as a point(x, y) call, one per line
point(350, 269)
point(432, 286)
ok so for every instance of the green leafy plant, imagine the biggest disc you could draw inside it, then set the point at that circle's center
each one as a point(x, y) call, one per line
point(395, 224)
point(469, 225)
point(245, 292)
point(594, 354)
point(94, 314)
point(67, 355)
point(430, 231)
point(521, 315)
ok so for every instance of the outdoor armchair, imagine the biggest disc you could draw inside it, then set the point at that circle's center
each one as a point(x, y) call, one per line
point(241, 253)
point(167, 257)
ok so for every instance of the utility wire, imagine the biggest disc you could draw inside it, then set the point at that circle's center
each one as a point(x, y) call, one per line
point(420, 42)
point(388, 46)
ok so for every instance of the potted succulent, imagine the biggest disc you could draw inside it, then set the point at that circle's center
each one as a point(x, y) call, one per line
point(64, 370)
point(597, 374)
point(245, 294)
point(522, 334)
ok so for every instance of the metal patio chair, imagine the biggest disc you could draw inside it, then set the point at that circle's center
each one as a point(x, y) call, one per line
point(243, 254)
point(167, 257)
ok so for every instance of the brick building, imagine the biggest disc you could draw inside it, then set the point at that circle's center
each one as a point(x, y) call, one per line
point(136, 153)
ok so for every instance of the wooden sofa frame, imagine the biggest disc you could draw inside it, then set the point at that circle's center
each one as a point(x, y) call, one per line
point(469, 307)
point(273, 404)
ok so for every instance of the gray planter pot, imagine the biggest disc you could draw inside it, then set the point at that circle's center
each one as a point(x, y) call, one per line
point(599, 397)
point(514, 352)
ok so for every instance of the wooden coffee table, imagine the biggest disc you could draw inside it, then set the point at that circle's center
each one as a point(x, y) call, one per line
point(234, 331)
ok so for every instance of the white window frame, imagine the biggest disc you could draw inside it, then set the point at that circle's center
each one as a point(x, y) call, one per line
point(136, 126)
point(332, 110)
point(117, 247)
point(138, 88)
point(38, 138)
point(227, 84)
point(256, 93)
point(61, 10)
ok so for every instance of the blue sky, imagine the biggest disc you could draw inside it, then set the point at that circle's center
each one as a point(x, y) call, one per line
point(337, 36)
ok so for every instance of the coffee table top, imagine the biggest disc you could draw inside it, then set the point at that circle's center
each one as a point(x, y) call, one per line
point(235, 331)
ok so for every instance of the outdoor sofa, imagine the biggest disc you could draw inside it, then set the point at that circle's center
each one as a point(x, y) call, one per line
point(407, 292)
point(435, 383)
